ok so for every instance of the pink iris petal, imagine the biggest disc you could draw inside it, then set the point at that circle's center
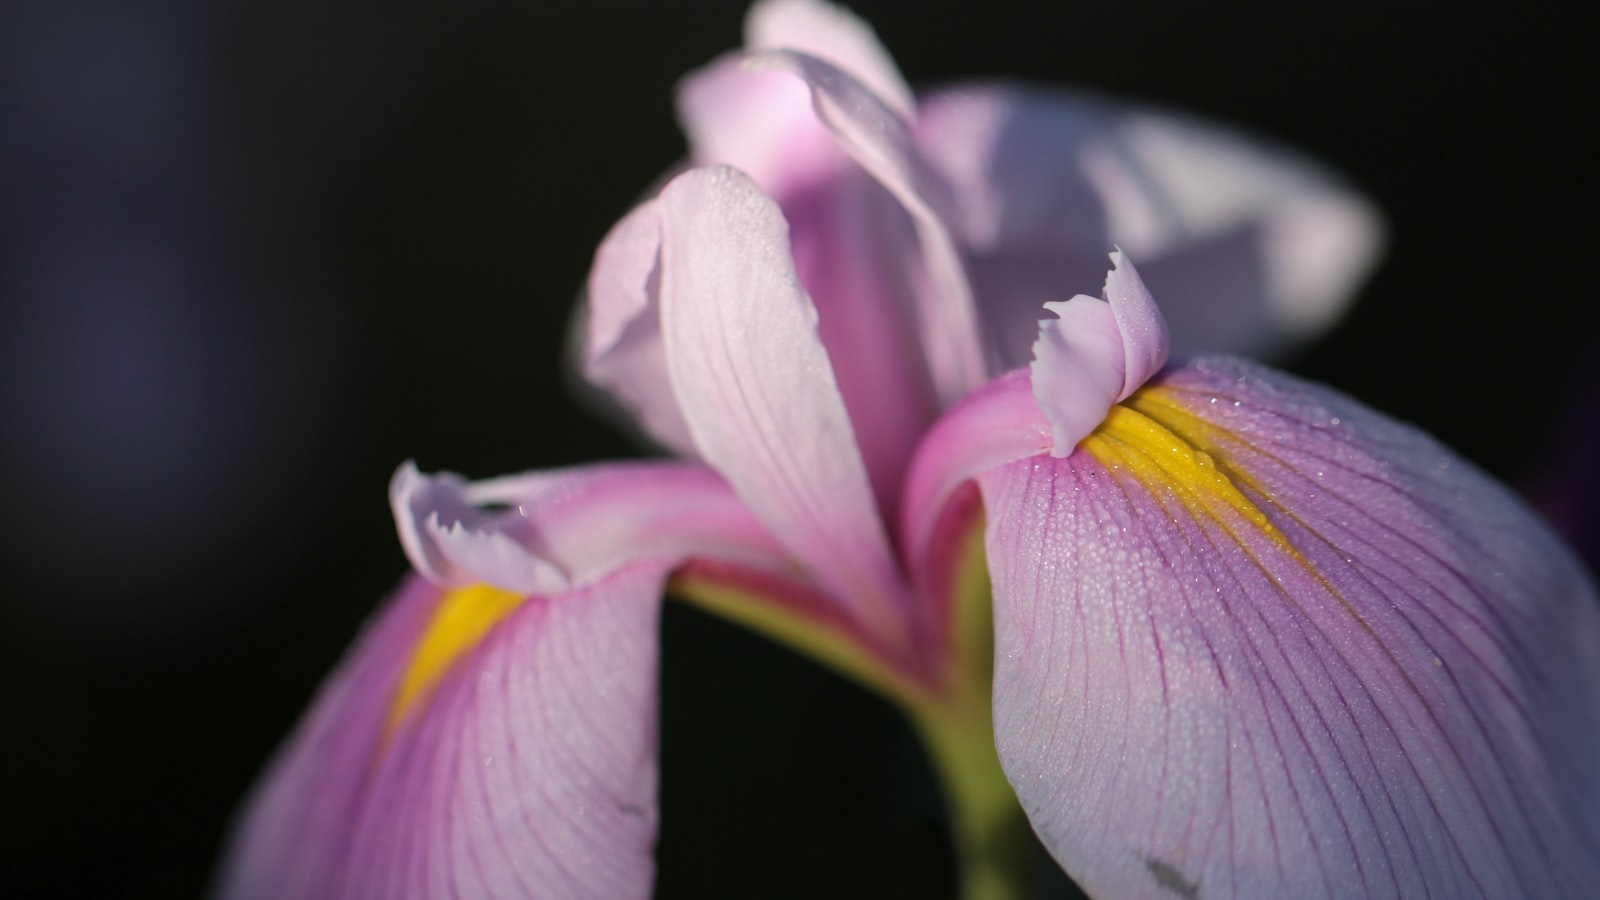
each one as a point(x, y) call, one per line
point(850, 241)
point(878, 139)
point(763, 123)
point(295, 839)
point(1371, 672)
point(529, 768)
point(1248, 244)
point(834, 34)
point(1097, 353)
point(622, 335)
point(894, 310)
point(532, 770)
point(758, 393)
point(548, 531)
point(999, 423)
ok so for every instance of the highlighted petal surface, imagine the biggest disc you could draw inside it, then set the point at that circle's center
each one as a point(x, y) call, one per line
point(834, 34)
point(755, 385)
point(1254, 640)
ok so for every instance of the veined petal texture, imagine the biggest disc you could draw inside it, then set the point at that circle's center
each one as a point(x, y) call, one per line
point(1256, 640)
point(758, 393)
point(529, 771)
point(493, 733)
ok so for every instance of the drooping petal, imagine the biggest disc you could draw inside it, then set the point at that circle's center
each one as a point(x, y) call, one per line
point(1096, 353)
point(1247, 244)
point(529, 771)
point(1255, 640)
point(493, 733)
point(755, 386)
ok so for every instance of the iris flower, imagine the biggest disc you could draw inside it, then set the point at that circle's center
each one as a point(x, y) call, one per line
point(1214, 631)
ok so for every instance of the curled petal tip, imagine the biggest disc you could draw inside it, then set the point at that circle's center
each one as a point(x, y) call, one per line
point(453, 541)
point(1096, 353)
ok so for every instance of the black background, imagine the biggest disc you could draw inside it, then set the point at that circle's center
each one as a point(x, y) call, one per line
point(254, 255)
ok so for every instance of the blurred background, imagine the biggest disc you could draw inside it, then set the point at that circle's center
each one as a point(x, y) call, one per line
point(254, 255)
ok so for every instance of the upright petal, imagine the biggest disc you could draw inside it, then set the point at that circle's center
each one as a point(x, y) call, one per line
point(881, 142)
point(622, 352)
point(834, 34)
point(1248, 244)
point(756, 388)
point(869, 247)
point(1255, 640)
point(763, 124)
point(1096, 353)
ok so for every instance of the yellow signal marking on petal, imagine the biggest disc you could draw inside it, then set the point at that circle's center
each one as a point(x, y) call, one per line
point(1162, 443)
point(1137, 437)
point(1160, 404)
point(459, 624)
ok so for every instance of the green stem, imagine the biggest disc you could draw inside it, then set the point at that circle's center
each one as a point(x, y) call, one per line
point(989, 829)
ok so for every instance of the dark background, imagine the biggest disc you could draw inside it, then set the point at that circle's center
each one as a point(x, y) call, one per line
point(254, 255)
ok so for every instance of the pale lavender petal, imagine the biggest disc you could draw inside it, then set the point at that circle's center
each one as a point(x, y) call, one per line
point(1248, 244)
point(1370, 671)
point(854, 246)
point(1077, 368)
point(880, 141)
point(454, 543)
point(545, 532)
point(530, 772)
point(1096, 353)
point(754, 382)
point(1145, 341)
point(622, 352)
point(851, 242)
point(830, 33)
point(760, 122)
